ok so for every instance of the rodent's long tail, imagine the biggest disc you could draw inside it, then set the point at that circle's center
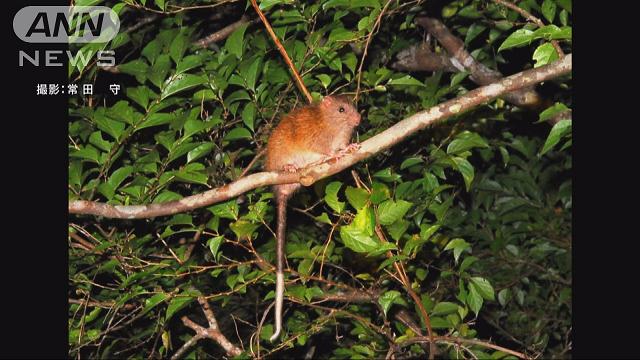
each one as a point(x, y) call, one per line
point(281, 203)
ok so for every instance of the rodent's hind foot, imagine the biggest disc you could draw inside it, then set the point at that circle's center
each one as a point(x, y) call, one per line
point(349, 149)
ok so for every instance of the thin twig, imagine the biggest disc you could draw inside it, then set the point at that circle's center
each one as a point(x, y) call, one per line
point(374, 29)
point(527, 15)
point(283, 52)
point(458, 340)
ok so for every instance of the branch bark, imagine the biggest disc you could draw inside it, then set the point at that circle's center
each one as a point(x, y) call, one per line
point(368, 148)
point(224, 32)
point(212, 332)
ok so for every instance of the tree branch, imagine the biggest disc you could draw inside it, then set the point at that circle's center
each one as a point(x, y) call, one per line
point(461, 59)
point(212, 332)
point(224, 32)
point(368, 148)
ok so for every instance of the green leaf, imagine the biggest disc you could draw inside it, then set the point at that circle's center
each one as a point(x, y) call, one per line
point(387, 299)
point(458, 246)
point(474, 30)
point(549, 10)
point(156, 119)
point(226, 210)
point(444, 308)
point(518, 38)
point(553, 32)
point(357, 197)
point(154, 301)
point(503, 296)
point(379, 193)
point(178, 47)
point(181, 82)
point(383, 247)
point(200, 151)
point(187, 63)
point(111, 127)
point(406, 80)
point(409, 162)
point(562, 128)
point(249, 115)
point(313, 292)
point(483, 287)
point(357, 239)
point(89, 153)
point(340, 34)
point(365, 220)
point(350, 4)
point(235, 41)
point(386, 175)
point(545, 54)
point(324, 218)
point(331, 197)
point(325, 80)
point(468, 261)
point(267, 4)
point(237, 96)
point(390, 211)
point(96, 139)
point(465, 141)
point(159, 70)
point(474, 300)
point(252, 73)
point(398, 228)
point(180, 302)
point(552, 111)
point(119, 175)
point(137, 68)
point(243, 228)
point(140, 95)
point(214, 245)
point(238, 133)
point(466, 169)
point(427, 231)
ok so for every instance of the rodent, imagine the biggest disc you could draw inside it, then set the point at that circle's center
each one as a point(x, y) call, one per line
point(305, 136)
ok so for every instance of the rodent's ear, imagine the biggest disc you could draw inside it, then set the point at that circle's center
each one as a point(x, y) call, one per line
point(345, 99)
point(328, 100)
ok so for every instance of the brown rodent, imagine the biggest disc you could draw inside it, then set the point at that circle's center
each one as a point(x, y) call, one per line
point(307, 135)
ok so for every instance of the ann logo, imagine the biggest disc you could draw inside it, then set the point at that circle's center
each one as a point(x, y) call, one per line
point(63, 24)
point(41, 25)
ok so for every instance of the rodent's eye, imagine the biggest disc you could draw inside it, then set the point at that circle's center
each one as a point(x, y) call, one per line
point(341, 109)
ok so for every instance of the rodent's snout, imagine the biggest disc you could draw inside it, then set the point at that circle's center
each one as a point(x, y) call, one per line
point(357, 118)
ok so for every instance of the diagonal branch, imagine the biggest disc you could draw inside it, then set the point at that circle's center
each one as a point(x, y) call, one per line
point(481, 74)
point(212, 332)
point(224, 32)
point(368, 148)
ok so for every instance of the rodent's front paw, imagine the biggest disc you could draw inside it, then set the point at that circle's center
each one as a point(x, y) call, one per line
point(290, 168)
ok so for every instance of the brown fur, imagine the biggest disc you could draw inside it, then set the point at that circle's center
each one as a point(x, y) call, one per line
point(304, 136)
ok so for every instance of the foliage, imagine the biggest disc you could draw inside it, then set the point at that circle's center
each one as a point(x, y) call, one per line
point(477, 209)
